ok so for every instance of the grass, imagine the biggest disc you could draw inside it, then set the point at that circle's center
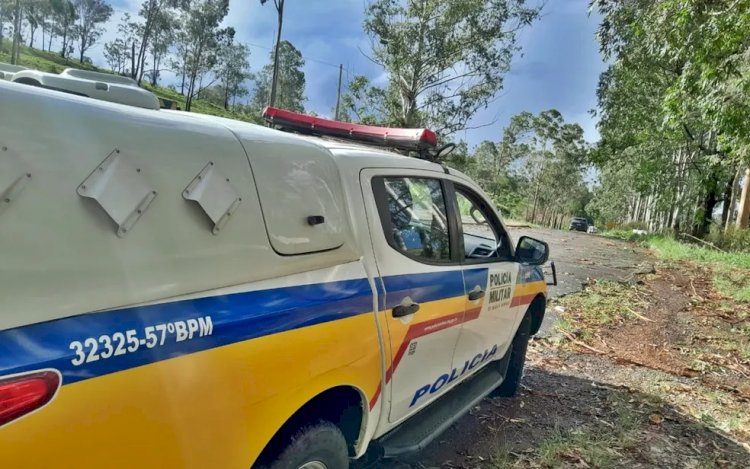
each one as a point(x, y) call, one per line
point(53, 63)
point(600, 304)
point(671, 249)
point(731, 270)
point(592, 446)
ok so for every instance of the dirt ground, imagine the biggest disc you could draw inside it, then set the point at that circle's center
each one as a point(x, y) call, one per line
point(649, 371)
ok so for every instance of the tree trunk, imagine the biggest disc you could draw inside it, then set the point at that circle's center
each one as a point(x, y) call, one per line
point(83, 45)
point(16, 34)
point(132, 60)
point(64, 51)
point(193, 76)
point(147, 27)
point(154, 69)
point(732, 199)
point(744, 213)
point(49, 44)
point(536, 196)
point(727, 201)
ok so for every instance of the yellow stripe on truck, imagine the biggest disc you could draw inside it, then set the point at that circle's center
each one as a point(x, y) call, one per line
point(214, 408)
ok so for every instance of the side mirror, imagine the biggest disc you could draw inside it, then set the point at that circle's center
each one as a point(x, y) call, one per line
point(531, 251)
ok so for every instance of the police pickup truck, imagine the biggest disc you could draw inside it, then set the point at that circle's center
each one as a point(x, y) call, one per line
point(182, 290)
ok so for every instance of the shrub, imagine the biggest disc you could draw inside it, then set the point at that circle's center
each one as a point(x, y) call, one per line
point(730, 240)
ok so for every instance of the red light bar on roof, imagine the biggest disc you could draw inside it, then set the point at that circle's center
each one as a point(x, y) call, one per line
point(405, 139)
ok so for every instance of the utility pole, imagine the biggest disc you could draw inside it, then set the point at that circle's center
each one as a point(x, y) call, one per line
point(338, 93)
point(274, 81)
point(744, 214)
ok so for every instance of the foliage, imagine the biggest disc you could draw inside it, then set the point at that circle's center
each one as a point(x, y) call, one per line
point(669, 105)
point(730, 240)
point(671, 249)
point(91, 14)
point(290, 92)
point(445, 60)
point(202, 40)
point(117, 52)
point(731, 271)
point(535, 171)
point(64, 16)
point(52, 62)
point(233, 70)
point(155, 33)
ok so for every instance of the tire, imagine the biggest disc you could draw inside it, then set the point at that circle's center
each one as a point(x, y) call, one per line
point(322, 443)
point(511, 383)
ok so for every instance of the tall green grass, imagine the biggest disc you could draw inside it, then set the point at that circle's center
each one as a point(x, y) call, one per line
point(671, 249)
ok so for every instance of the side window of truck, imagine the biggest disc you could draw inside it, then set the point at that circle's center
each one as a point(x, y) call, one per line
point(483, 235)
point(413, 214)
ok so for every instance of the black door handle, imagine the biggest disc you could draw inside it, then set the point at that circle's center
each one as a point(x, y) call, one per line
point(476, 294)
point(404, 310)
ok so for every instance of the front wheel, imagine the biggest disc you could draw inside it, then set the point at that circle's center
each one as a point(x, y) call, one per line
point(320, 446)
point(511, 383)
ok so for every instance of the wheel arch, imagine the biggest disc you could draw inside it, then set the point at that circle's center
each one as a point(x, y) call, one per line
point(345, 406)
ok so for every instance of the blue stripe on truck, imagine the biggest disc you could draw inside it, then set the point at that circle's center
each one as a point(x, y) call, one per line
point(233, 318)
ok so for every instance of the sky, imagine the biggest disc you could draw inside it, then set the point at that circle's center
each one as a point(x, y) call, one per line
point(558, 66)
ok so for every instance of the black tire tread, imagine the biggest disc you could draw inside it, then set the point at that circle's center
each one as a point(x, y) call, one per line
point(322, 441)
point(510, 385)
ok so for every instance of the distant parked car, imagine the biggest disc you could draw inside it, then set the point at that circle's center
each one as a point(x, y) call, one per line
point(579, 224)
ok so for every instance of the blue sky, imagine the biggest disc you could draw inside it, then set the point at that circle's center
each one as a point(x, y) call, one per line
point(558, 67)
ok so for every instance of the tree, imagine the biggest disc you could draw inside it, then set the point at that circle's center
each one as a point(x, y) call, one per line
point(162, 38)
point(6, 8)
point(279, 4)
point(202, 39)
point(64, 16)
point(17, 13)
point(157, 16)
point(179, 60)
point(670, 106)
point(291, 80)
point(116, 53)
point(38, 17)
point(91, 14)
point(34, 18)
point(445, 59)
point(553, 155)
point(233, 70)
point(535, 171)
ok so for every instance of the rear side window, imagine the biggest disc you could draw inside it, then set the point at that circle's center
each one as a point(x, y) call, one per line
point(413, 214)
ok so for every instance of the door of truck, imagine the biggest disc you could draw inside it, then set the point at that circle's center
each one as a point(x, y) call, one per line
point(416, 248)
point(490, 275)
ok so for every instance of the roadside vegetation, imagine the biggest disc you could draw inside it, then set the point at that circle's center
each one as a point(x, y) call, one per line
point(679, 321)
point(730, 271)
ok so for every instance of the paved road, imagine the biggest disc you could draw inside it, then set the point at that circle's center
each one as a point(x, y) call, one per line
point(581, 256)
